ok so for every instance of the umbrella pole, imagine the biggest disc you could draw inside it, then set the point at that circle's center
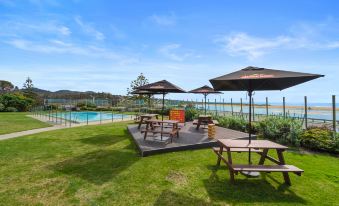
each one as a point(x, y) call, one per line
point(162, 113)
point(205, 102)
point(250, 174)
point(249, 125)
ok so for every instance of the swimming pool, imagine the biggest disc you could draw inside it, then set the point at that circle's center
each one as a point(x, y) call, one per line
point(89, 116)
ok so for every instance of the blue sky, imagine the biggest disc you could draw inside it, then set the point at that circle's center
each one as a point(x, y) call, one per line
point(104, 45)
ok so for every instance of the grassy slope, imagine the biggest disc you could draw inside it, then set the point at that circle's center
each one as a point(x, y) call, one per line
point(18, 121)
point(98, 165)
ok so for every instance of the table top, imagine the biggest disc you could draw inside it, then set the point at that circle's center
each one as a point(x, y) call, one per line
point(148, 115)
point(163, 121)
point(261, 144)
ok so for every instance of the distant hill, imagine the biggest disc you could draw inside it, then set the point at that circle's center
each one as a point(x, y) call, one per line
point(68, 94)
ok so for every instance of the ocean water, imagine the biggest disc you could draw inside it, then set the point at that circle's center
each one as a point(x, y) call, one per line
point(312, 111)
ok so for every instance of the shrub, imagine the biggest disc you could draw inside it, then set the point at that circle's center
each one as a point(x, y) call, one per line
point(2, 107)
point(320, 139)
point(191, 113)
point(118, 109)
point(11, 109)
point(233, 122)
point(283, 130)
point(17, 101)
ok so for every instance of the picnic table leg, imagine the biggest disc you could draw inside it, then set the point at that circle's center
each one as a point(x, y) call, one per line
point(141, 119)
point(198, 125)
point(263, 156)
point(229, 158)
point(220, 153)
point(282, 162)
point(147, 126)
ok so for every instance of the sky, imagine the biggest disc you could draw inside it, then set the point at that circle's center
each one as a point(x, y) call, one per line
point(102, 45)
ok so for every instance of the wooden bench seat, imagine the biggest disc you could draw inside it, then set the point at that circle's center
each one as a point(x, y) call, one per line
point(195, 122)
point(216, 149)
point(267, 168)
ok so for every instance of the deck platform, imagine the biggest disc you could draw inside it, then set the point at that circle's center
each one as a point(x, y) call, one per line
point(189, 139)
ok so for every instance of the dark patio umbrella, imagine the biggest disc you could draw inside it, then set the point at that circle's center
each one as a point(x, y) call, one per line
point(162, 87)
point(205, 90)
point(258, 79)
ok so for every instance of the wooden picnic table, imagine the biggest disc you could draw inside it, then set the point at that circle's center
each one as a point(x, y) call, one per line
point(204, 120)
point(260, 147)
point(145, 117)
point(156, 126)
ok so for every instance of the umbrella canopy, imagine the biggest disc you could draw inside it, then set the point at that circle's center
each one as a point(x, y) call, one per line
point(205, 90)
point(162, 87)
point(258, 79)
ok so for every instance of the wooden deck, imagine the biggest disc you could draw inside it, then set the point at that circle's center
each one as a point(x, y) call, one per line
point(189, 139)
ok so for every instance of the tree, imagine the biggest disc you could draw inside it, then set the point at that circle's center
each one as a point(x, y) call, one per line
point(28, 85)
point(6, 86)
point(140, 81)
point(28, 91)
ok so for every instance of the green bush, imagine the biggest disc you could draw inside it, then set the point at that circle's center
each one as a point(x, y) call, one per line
point(320, 139)
point(17, 101)
point(2, 107)
point(118, 109)
point(283, 130)
point(233, 122)
point(191, 113)
point(11, 109)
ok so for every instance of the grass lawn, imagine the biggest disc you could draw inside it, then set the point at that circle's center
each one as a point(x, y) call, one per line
point(99, 165)
point(18, 121)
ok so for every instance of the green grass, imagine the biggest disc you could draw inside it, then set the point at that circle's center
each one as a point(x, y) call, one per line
point(18, 121)
point(99, 165)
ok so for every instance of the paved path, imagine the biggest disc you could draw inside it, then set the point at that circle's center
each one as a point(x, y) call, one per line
point(54, 127)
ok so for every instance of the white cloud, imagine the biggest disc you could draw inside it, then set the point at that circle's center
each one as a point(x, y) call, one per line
point(60, 47)
point(164, 20)
point(300, 36)
point(20, 27)
point(252, 47)
point(172, 51)
point(89, 29)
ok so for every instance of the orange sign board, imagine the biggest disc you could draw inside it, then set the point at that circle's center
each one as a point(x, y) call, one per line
point(177, 114)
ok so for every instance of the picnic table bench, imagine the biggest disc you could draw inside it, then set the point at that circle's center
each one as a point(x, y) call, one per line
point(204, 120)
point(157, 126)
point(144, 117)
point(260, 147)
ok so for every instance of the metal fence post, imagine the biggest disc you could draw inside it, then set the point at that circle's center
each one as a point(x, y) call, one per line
point(223, 106)
point(241, 105)
point(100, 116)
point(70, 118)
point(215, 106)
point(334, 115)
point(266, 106)
point(284, 107)
point(305, 102)
point(87, 117)
point(112, 114)
point(232, 106)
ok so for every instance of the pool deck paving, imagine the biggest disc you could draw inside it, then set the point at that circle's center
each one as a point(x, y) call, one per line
point(53, 127)
point(189, 138)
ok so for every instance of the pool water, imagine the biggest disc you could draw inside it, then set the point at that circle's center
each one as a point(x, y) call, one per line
point(89, 116)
